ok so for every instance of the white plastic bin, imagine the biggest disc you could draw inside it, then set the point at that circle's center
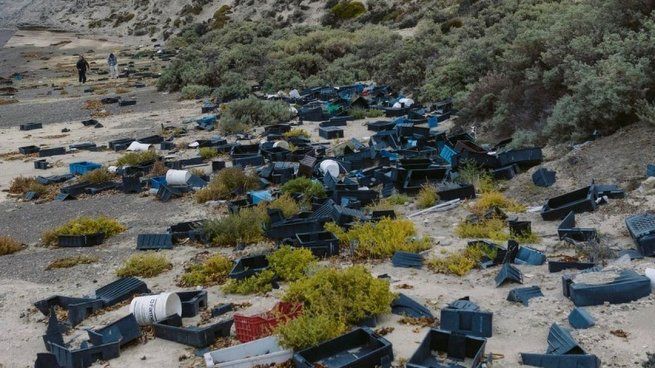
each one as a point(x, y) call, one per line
point(262, 352)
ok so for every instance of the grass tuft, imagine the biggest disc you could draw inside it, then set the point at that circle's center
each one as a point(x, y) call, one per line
point(22, 185)
point(244, 227)
point(84, 226)
point(9, 246)
point(208, 152)
point(260, 283)
point(212, 271)
point(229, 183)
point(427, 196)
point(287, 204)
point(381, 239)
point(296, 132)
point(305, 186)
point(462, 262)
point(69, 262)
point(137, 158)
point(98, 176)
point(491, 199)
point(144, 265)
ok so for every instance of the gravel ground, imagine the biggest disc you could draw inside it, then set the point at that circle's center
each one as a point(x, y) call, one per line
point(5, 35)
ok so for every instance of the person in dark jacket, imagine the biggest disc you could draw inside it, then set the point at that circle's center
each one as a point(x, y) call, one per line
point(82, 66)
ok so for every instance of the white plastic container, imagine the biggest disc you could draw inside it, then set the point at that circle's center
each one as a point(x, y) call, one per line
point(262, 352)
point(177, 177)
point(154, 308)
point(330, 166)
point(136, 146)
point(281, 144)
point(650, 273)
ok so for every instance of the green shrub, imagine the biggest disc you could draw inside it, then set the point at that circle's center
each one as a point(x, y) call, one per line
point(297, 132)
point(461, 262)
point(208, 152)
point(260, 283)
point(137, 158)
point(244, 227)
point(251, 112)
point(308, 331)
point(9, 245)
point(427, 196)
point(347, 9)
point(291, 264)
point(98, 176)
point(349, 294)
point(72, 261)
point(195, 91)
point(232, 86)
point(305, 186)
point(359, 113)
point(84, 226)
point(227, 184)
point(381, 239)
point(212, 271)
point(144, 265)
point(287, 204)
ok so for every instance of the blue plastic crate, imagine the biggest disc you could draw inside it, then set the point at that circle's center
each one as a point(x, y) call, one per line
point(157, 182)
point(83, 167)
point(447, 154)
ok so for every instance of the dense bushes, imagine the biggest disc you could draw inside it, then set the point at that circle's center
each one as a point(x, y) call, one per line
point(84, 226)
point(562, 69)
point(229, 182)
point(250, 112)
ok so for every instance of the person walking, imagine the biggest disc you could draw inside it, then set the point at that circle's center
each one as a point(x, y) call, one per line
point(82, 66)
point(113, 65)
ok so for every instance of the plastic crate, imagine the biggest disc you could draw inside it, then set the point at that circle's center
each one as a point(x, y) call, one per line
point(83, 167)
point(642, 230)
point(249, 328)
point(454, 346)
point(28, 150)
point(359, 348)
point(157, 182)
point(581, 200)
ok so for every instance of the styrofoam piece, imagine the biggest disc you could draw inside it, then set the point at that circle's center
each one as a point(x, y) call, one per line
point(331, 167)
point(262, 352)
point(136, 146)
point(154, 308)
point(177, 177)
point(650, 273)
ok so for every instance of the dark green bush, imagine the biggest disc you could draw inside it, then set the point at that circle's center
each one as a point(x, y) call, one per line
point(250, 112)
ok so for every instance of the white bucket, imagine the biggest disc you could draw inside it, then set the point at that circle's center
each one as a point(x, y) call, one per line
point(154, 308)
point(281, 144)
point(136, 146)
point(330, 166)
point(177, 177)
point(650, 273)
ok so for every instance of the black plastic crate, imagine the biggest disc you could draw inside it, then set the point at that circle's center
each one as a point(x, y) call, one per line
point(154, 241)
point(31, 126)
point(127, 103)
point(567, 229)
point(72, 241)
point(192, 302)
point(417, 178)
point(47, 152)
point(330, 132)
point(41, 164)
point(78, 308)
point(153, 139)
point(248, 161)
point(321, 243)
point(581, 200)
point(28, 150)
point(248, 266)
point(525, 158)
point(171, 329)
point(75, 189)
point(447, 192)
point(121, 289)
point(457, 347)
point(98, 188)
point(359, 348)
point(466, 317)
point(120, 144)
point(642, 230)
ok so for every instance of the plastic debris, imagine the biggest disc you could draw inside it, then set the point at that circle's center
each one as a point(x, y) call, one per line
point(466, 317)
point(579, 318)
point(523, 295)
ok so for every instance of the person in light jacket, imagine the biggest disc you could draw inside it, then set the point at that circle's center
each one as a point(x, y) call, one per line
point(113, 65)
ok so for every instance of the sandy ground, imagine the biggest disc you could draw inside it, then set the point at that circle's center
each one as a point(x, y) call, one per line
point(517, 328)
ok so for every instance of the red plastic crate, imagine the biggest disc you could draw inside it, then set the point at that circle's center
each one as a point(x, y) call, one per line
point(251, 328)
